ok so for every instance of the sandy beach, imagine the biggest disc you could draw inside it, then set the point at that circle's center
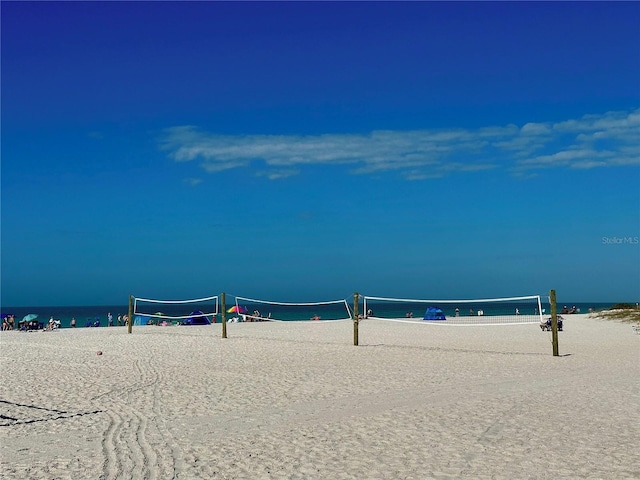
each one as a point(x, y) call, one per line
point(300, 401)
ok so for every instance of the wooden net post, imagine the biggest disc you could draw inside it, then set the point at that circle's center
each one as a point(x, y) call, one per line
point(223, 305)
point(130, 317)
point(554, 322)
point(355, 318)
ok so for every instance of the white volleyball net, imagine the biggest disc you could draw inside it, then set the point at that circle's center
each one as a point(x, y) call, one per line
point(199, 311)
point(479, 312)
point(253, 310)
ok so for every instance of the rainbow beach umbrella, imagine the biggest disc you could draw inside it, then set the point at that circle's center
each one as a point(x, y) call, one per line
point(237, 309)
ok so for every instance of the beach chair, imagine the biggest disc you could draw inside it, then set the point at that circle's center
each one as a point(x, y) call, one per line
point(546, 326)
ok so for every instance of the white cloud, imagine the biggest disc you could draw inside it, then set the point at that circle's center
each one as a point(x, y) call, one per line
point(193, 181)
point(606, 140)
point(277, 174)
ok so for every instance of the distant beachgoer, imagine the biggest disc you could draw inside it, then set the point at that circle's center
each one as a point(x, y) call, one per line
point(109, 319)
point(5, 323)
point(73, 322)
point(369, 313)
point(517, 311)
point(471, 312)
point(315, 317)
point(119, 319)
point(457, 312)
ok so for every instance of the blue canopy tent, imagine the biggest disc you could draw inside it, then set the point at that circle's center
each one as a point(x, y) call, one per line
point(140, 320)
point(434, 313)
point(147, 319)
point(197, 318)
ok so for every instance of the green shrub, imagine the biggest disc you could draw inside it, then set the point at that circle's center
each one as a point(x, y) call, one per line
point(622, 306)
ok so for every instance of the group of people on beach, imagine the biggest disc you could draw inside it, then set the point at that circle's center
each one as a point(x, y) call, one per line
point(123, 320)
point(54, 324)
point(8, 322)
point(255, 317)
point(573, 309)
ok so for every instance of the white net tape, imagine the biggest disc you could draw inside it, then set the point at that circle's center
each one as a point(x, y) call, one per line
point(176, 309)
point(254, 310)
point(471, 312)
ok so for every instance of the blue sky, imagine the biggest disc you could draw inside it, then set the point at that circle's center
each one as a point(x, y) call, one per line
point(304, 151)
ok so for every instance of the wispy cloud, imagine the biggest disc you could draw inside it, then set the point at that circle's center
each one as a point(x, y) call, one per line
point(193, 181)
point(607, 140)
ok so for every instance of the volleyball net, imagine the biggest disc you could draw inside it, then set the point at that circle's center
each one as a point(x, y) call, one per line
point(199, 311)
point(478, 312)
point(255, 310)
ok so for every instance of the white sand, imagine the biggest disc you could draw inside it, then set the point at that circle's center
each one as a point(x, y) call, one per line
point(299, 401)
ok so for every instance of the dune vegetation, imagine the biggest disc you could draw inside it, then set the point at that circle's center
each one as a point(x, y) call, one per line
point(622, 312)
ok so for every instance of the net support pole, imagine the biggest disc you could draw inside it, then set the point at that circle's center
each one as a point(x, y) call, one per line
point(554, 322)
point(223, 302)
point(355, 318)
point(130, 316)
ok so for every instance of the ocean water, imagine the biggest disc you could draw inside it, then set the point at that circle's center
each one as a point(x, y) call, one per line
point(89, 314)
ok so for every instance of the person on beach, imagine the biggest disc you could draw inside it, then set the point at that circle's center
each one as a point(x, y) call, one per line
point(5, 323)
point(73, 322)
point(119, 319)
point(109, 319)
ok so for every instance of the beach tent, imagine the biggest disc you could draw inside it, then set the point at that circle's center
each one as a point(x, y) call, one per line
point(434, 313)
point(147, 319)
point(197, 318)
point(141, 320)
